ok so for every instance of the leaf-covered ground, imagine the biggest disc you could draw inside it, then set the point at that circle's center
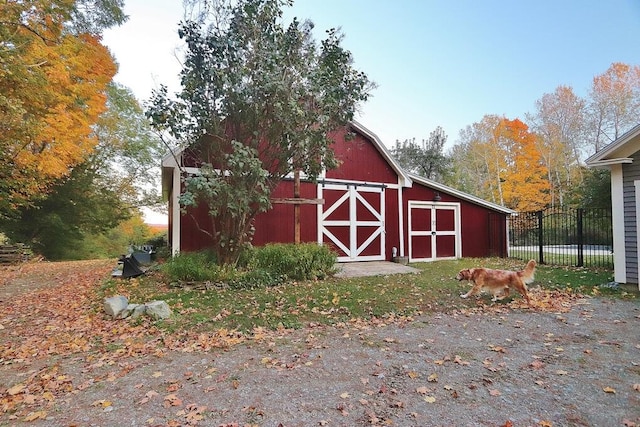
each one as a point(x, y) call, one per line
point(569, 360)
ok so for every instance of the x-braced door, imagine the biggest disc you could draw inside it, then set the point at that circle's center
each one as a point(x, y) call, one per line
point(434, 231)
point(352, 221)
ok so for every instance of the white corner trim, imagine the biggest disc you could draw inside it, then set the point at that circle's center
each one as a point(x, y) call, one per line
point(617, 211)
point(400, 220)
point(175, 212)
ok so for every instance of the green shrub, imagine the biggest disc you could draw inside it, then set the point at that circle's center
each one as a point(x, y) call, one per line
point(307, 261)
point(256, 278)
point(193, 267)
point(265, 266)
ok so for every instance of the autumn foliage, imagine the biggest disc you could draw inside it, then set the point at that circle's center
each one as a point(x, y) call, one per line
point(52, 86)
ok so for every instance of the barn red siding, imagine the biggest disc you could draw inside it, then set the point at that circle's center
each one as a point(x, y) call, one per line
point(479, 229)
point(482, 229)
point(277, 224)
point(360, 161)
point(392, 219)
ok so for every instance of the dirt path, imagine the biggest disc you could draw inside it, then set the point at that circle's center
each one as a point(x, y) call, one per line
point(500, 367)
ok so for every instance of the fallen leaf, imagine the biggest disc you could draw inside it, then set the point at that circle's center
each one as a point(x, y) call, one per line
point(38, 415)
point(544, 423)
point(172, 400)
point(561, 372)
point(433, 378)
point(422, 390)
point(636, 387)
point(494, 392)
point(536, 364)
point(429, 399)
point(457, 359)
point(345, 395)
point(16, 389)
point(609, 390)
point(102, 403)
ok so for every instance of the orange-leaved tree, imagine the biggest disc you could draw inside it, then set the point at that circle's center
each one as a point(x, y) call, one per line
point(497, 159)
point(524, 186)
point(52, 90)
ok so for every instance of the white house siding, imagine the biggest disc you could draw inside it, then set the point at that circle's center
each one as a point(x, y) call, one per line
point(631, 173)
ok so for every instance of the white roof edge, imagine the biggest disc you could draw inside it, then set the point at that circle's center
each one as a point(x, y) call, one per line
point(461, 194)
point(169, 159)
point(604, 152)
point(404, 176)
point(609, 162)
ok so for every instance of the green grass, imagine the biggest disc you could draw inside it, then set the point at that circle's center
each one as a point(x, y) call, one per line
point(331, 301)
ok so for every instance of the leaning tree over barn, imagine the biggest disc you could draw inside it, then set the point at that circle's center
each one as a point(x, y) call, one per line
point(258, 101)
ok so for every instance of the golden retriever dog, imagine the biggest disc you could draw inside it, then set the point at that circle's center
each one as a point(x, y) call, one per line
point(498, 281)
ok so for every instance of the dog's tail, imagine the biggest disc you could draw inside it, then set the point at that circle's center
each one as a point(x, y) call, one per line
point(528, 274)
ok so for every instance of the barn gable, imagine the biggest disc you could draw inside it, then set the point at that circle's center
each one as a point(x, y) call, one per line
point(371, 209)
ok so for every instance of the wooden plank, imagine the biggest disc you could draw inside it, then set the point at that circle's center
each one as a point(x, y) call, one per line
point(10, 254)
point(297, 201)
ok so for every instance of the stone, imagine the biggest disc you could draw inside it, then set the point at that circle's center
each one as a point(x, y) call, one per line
point(132, 310)
point(114, 305)
point(138, 310)
point(158, 310)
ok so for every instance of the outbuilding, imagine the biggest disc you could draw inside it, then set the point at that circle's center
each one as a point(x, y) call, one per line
point(622, 158)
point(367, 209)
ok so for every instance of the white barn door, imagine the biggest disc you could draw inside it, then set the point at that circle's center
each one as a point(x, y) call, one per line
point(434, 231)
point(352, 221)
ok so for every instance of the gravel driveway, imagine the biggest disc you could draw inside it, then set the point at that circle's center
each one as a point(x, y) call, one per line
point(496, 367)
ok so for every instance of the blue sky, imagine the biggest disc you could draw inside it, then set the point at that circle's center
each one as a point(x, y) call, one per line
point(436, 63)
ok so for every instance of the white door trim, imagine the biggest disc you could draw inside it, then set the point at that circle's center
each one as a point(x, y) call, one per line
point(433, 232)
point(351, 196)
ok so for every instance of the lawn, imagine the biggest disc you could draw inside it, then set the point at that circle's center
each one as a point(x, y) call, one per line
point(335, 300)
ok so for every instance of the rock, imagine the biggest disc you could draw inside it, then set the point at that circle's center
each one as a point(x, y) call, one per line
point(114, 305)
point(138, 310)
point(132, 310)
point(118, 307)
point(158, 310)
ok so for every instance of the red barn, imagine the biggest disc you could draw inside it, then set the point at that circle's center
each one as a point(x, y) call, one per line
point(372, 210)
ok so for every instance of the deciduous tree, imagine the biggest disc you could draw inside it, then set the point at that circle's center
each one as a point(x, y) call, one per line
point(53, 76)
point(559, 123)
point(101, 192)
point(614, 104)
point(525, 187)
point(258, 101)
point(426, 159)
point(497, 160)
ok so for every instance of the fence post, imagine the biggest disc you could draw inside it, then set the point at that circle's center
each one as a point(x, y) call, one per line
point(540, 237)
point(580, 236)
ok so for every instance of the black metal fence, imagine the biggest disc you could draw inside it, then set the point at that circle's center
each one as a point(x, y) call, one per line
point(575, 237)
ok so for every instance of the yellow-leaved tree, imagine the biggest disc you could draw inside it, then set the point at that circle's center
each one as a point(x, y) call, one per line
point(53, 79)
point(524, 186)
point(497, 159)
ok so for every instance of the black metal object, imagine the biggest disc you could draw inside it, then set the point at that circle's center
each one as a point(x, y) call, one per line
point(127, 267)
point(577, 237)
